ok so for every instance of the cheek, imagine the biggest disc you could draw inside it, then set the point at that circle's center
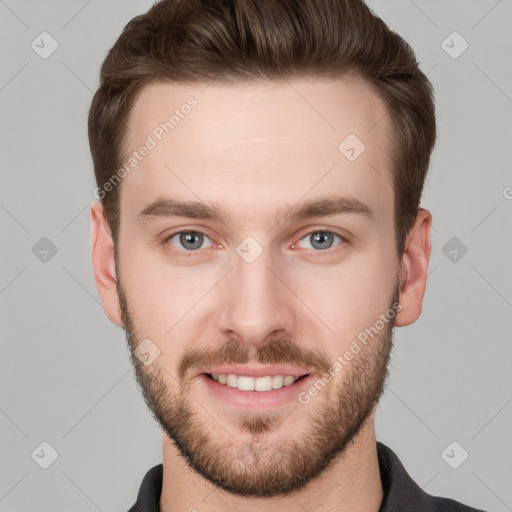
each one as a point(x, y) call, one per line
point(148, 291)
point(348, 298)
point(165, 301)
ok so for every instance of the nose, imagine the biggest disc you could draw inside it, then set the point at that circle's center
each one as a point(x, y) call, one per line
point(257, 305)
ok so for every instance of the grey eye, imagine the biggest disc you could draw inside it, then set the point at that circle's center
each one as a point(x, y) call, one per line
point(189, 240)
point(321, 240)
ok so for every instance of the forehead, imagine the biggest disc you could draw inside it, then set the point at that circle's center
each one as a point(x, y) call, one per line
point(258, 142)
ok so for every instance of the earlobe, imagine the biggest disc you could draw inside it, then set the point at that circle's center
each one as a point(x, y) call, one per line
point(102, 255)
point(414, 269)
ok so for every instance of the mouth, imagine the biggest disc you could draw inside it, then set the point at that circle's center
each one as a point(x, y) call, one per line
point(260, 384)
point(258, 388)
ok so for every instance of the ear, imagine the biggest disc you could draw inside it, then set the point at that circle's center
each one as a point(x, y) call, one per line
point(414, 269)
point(102, 253)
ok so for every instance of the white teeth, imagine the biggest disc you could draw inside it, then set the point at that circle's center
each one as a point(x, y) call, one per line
point(262, 384)
point(232, 380)
point(245, 383)
point(288, 380)
point(277, 381)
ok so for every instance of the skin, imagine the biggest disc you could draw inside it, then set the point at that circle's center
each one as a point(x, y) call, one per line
point(256, 149)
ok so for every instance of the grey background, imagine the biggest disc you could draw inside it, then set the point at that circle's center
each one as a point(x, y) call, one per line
point(65, 372)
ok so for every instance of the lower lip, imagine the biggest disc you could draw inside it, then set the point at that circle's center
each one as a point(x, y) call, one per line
point(256, 399)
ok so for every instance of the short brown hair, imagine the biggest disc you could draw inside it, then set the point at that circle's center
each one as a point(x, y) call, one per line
point(238, 40)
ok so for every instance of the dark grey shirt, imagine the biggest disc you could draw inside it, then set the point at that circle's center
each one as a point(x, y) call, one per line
point(401, 493)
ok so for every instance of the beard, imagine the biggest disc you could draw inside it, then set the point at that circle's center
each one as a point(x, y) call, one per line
point(257, 467)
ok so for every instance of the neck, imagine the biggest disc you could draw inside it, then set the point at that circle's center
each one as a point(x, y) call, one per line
point(352, 483)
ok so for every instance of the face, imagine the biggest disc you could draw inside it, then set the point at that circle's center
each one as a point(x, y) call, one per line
point(252, 286)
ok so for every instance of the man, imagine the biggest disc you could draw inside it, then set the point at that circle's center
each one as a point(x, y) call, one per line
point(258, 236)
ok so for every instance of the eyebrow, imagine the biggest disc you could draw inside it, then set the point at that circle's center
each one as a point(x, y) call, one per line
point(166, 207)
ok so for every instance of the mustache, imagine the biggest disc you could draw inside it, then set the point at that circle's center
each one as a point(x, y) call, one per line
point(279, 351)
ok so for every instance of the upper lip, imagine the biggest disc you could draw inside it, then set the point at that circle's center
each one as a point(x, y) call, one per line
point(258, 371)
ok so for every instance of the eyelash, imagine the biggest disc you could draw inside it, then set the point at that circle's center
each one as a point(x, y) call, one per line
point(312, 252)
